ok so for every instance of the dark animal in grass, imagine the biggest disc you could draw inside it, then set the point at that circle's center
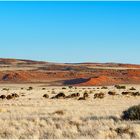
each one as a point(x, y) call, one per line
point(61, 95)
point(46, 96)
point(2, 96)
point(111, 93)
point(9, 97)
point(99, 95)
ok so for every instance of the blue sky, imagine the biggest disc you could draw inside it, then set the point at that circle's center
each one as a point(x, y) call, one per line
point(71, 31)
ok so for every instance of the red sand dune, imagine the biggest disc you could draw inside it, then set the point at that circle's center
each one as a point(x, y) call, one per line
point(101, 80)
point(68, 74)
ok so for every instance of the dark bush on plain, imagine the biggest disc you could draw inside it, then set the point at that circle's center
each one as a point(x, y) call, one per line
point(30, 88)
point(132, 88)
point(64, 88)
point(133, 113)
point(104, 88)
point(70, 87)
point(6, 89)
point(120, 87)
point(46, 96)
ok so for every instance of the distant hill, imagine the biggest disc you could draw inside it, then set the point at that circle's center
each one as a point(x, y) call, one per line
point(81, 74)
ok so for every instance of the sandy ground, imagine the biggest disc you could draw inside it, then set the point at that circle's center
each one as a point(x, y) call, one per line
point(32, 116)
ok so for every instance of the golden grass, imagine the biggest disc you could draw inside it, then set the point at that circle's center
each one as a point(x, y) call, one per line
point(35, 117)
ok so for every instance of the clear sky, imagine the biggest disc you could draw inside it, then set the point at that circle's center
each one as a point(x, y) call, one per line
point(71, 31)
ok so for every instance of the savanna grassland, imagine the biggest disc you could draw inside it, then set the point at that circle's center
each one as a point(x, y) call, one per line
point(41, 111)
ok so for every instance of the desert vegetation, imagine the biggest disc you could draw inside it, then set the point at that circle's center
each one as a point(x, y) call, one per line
point(75, 112)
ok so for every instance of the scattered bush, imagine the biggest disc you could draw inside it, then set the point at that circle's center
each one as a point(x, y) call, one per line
point(91, 91)
point(82, 98)
point(2, 96)
point(99, 95)
point(133, 113)
point(30, 88)
point(70, 87)
point(9, 97)
point(43, 88)
point(6, 89)
point(59, 112)
point(53, 92)
point(135, 94)
point(15, 95)
point(104, 88)
point(112, 93)
point(64, 88)
point(78, 94)
point(46, 96)
point(121, 130)
point(60, 95)
point(132, 88)
point(85, 95)
point(120, 87)
point(126, 93)
point(73, 95)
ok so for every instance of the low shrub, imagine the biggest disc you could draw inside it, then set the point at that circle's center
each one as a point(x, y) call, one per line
point(120, 87)
point(132, 113)
point(132, 88)
point(59, 112)
point(6, 89)
point(30, 88)
point(46, 96)
point(70, 87)
point(104, 88)
point(112, 93)
point(53, 92)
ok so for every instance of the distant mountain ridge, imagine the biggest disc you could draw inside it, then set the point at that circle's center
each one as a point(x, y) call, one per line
point(78, 74)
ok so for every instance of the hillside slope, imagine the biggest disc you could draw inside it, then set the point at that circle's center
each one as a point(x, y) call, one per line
point(81, 74)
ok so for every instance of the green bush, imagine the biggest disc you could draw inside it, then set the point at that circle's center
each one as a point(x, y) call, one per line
point(133, 113)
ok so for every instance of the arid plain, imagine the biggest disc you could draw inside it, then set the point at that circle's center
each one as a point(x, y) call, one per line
point(77, 101)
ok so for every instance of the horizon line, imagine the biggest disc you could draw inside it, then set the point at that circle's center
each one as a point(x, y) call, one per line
point(83, 62)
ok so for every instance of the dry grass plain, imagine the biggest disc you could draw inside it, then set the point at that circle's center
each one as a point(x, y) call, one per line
point(32, 116)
